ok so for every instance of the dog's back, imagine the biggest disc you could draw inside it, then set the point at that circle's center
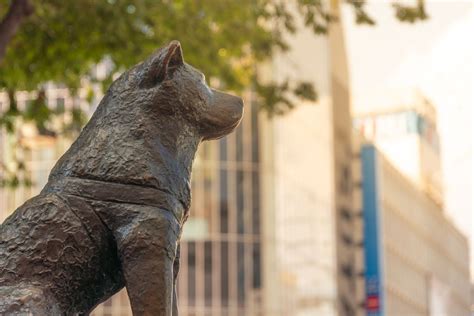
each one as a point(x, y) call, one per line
point(55, 246)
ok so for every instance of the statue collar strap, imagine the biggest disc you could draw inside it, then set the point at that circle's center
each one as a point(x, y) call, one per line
point(118, 193)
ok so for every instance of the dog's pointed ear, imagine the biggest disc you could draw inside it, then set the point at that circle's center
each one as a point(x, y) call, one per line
point(164, 65)
point(173, 58)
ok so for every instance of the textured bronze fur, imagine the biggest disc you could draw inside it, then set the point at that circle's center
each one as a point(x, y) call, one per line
point(112, 211)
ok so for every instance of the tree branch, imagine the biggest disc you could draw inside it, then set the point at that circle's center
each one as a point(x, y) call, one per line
point(18, 11)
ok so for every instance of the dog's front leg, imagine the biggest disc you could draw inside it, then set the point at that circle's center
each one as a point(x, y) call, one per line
point(147, 250)
point(175, 280)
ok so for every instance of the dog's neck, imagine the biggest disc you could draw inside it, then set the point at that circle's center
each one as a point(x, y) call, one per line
point(136, 149)
point(174, 142)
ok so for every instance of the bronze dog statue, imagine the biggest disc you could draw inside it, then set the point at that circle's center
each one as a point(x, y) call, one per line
point(112, 211)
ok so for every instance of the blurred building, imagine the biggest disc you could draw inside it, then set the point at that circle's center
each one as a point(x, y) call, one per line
point(472, 299)
point(416, 261)
point(408, 136)
point(308, 210)
point(221, 248)
point(38, 153)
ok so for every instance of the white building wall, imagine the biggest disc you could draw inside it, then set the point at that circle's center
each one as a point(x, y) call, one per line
point(426, 261)
point(303, 179)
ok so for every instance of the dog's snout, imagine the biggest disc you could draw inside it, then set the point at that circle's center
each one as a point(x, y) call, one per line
point(240, 102)
point(225, 99)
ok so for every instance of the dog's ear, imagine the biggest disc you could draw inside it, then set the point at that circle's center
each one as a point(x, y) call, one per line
point(163, 65)
point(173, 58)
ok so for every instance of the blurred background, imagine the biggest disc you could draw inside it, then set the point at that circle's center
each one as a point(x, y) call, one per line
point(347, 188)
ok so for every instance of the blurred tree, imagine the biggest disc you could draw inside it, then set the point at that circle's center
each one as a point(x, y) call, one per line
point(60, 41)
point(19, 10)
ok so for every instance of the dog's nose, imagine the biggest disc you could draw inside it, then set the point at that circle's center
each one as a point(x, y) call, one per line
point(236, 102)
point(240, 102)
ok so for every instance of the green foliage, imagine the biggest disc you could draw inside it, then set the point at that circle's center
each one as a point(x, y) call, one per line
point(62, 40)
point(411, 14)
point(15, 174)
point(315, 15)
point(8, 118)
point(283, 94)
point(361, 16)
point(38, 111)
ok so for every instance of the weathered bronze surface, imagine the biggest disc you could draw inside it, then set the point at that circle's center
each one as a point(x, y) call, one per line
point(112, 212)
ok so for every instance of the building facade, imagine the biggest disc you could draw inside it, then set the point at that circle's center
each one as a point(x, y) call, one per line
point(37, 152)
point(416, 261)
point(311, 212)
point(408, 136)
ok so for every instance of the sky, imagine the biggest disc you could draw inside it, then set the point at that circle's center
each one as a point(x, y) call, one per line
point(391, 61)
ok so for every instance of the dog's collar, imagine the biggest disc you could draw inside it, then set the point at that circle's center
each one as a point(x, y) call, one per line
point(118, 193)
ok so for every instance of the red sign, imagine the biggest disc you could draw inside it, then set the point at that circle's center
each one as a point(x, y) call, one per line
point(372, 303)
